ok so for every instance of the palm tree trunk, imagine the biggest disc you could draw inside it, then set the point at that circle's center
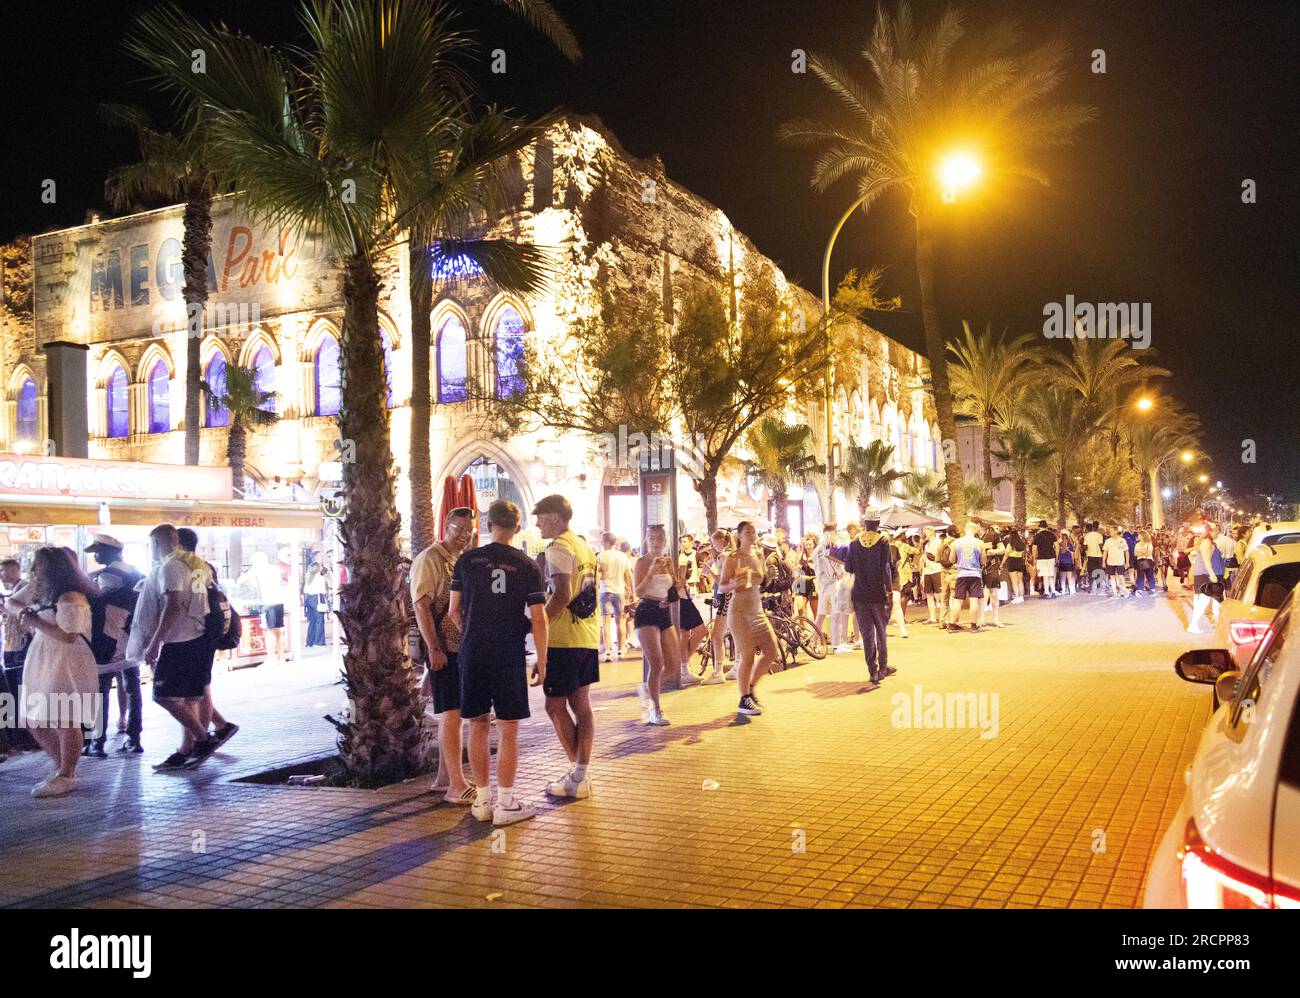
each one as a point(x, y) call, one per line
point(195, 245)
point(420, 474)
point(1021, 504)
point(707, 487)
point(780, 500)
point(936, 349)
point(986, 445)
point(1060, 496)
point(236, 450)
point(386, 738)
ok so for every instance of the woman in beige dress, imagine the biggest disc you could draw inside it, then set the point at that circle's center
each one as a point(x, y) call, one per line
point(60, 677)
point(742, 577)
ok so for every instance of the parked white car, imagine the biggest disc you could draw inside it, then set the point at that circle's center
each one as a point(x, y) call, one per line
point(1235, 842)
point(1285, 532)
point(1258, 589)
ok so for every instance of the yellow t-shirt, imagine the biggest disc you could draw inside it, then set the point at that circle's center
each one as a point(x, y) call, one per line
point(571, 555)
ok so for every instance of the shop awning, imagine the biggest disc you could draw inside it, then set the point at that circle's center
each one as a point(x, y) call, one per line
point(234, 515)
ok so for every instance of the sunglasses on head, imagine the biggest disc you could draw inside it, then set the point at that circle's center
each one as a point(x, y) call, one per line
point(461, 511)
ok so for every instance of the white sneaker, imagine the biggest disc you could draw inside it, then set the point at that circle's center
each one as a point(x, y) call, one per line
point(609, 656)
point(730, 675)
point(655, 717)
point(844, 649)
point(521, 810)
point(713, 679)
point(643, 694)
point(482, 809)
point(566, 786)
point(689, 678)
point(55, 786)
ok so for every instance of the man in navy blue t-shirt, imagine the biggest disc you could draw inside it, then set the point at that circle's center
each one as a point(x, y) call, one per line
point(867, 559)
point(497, 596)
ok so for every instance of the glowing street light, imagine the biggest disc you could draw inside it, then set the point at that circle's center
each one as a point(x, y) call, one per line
point(1144, 404)
point(958, 172)
point(1188, 456)
point(1202, 478)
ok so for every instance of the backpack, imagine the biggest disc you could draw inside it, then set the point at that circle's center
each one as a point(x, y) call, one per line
point(112, 611)
point(221, 625)
point(946, 558)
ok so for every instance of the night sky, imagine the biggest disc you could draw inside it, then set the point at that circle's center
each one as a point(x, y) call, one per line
point(1145, 207)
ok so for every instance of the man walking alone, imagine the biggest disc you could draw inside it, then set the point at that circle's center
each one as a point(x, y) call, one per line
point(868, 560)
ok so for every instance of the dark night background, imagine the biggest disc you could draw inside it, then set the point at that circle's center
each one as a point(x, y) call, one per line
point(1145, 206)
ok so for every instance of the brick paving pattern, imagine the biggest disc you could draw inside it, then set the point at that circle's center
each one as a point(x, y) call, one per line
point(821, 802)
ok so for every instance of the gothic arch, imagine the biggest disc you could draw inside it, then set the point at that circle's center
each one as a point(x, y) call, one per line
point(154, 353)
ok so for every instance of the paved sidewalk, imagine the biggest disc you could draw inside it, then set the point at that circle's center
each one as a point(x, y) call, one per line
point(826, 800)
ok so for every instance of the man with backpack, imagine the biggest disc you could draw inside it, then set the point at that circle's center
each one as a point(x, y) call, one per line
point(223, 630)
point(573, 658)
point(111, 612)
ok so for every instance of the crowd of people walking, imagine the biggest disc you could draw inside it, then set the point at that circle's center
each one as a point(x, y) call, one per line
point(488, 621)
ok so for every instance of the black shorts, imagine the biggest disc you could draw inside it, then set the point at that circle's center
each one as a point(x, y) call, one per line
point(273, 616)
point(446, 685)
point(493, 682)
point(690, 614)
point(652, 613)
point(568, 669)
point(968, 588)
point(183, 670)
point(1093, 565)
point(932, 583)
point(1116, 570)
point(1016, 565)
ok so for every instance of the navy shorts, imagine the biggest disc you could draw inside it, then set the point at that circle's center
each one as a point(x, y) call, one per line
point(969, 587)
point(611, 604)
point(931, 583)
point(568, 669)
point(273, 616)
point(446, 685)
point(652, 613)
point(184, 668)
point(493, 682)
point(690, 615)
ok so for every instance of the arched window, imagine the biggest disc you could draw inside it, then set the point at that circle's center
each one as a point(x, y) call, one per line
point(160, 403)
point(215, 375)
point(264, 379)
point(327, 377)
point(119, 420)
point(451, 362)
point(27, 427)
point(388, 366)
point(509, 338)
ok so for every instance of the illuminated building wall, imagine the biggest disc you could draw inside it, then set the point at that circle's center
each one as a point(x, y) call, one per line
point(275, 303)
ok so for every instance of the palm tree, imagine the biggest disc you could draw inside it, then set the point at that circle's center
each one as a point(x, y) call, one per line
point(1157, 438)
point(867, 473)
point(421, 246)
point(249, 408)
point(1064, 421)
point(171, 168)
point(1021, 452)
point(929, 90)
point(781, 456)
point(337, 139)
point(988, 374)
point(926, 491)
point(1104, 374)
point(979, 496)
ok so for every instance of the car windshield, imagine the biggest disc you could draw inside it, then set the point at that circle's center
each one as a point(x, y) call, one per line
point(1261, 666)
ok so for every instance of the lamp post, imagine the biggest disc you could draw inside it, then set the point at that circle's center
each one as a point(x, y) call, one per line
point(828, 393)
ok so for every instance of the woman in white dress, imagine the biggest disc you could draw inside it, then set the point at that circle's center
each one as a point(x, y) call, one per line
point(60, 680)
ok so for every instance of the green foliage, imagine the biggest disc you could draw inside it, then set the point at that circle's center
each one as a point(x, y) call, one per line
point(868, 473)
point(927, 491)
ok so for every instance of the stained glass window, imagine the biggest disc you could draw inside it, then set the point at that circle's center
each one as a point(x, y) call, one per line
point(510, 353)
point(451, 362)
point(328, 396)
point(27, 425)
point(160, 403)
point(215, 375)
point(119, 420)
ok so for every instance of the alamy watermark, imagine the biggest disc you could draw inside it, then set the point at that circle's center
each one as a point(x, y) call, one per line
point(920, 709)
point(651, 451)
point(1101, 321)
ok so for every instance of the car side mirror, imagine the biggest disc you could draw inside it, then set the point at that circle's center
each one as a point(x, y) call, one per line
point(1204, 665)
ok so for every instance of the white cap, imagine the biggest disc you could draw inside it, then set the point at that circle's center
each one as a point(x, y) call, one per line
point(102, 540)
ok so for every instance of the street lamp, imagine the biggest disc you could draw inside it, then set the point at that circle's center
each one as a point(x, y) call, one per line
point(1144, 404)
point(1202, 478)
point(957, 172)
point(1188, 457)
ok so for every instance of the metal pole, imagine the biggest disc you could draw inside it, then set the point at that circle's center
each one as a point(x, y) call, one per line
point(828, 398)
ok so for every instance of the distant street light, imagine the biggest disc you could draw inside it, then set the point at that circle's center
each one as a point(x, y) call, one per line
point(1202, 478)
point(1144, 404)
point(1188, 457)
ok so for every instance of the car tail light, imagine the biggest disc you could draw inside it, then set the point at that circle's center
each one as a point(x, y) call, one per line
point(1210, 881)
point(1243, 633)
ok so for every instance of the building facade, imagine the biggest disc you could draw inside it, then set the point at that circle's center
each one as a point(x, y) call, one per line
point(114, 286)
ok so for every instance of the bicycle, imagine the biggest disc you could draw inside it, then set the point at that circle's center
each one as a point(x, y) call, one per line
point(793, 634)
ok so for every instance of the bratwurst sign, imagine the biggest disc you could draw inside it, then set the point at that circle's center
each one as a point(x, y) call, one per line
point(22, 474)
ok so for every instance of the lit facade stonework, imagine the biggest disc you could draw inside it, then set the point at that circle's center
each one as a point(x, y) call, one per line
point(114, 285)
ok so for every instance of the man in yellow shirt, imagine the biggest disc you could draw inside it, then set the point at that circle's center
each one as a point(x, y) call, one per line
point(573, 659)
